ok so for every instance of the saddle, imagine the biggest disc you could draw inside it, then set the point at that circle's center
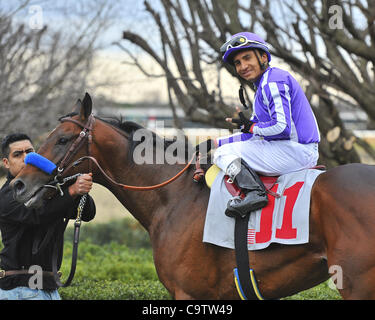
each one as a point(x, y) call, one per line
point(234, 190)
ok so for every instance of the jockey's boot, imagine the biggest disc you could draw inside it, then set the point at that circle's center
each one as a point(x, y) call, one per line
point(251, 186)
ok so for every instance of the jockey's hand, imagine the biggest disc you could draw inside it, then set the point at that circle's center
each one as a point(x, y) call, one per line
point(82, 185)
point(242, 122)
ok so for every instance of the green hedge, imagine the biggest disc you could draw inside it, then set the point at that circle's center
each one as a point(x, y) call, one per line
point(320, 292)
point(114, 290)
point(125, 231)
point(112, 271)
point(114, 262)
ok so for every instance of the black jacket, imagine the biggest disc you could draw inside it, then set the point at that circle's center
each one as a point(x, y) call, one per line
point(24, 229)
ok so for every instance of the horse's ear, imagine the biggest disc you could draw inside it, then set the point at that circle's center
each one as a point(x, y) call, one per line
point(86, 107)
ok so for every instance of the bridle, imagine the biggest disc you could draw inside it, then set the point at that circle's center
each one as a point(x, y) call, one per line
point(58, 181)
point(62, 164)
point(74, 148)
point(86, 133)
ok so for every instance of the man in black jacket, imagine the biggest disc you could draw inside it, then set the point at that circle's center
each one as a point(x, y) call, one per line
point(29, 235)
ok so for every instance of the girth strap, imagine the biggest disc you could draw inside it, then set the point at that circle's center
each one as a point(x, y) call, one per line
point(247, 283)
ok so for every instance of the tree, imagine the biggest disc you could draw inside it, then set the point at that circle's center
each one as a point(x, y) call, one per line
point(44, 68)
point(329, 48)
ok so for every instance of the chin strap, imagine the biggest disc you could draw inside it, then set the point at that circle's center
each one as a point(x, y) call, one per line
point(263, 65)
point(242, 98)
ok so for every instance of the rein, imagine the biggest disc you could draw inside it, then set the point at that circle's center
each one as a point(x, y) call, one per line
point(128, 187)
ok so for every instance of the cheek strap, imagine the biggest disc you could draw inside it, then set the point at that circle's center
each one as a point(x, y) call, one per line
point(263, 65)
point(40, 162)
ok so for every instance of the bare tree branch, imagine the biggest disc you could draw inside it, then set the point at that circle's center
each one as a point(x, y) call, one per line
point(43, 70)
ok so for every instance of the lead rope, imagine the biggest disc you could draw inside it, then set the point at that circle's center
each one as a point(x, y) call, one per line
point(77, 226)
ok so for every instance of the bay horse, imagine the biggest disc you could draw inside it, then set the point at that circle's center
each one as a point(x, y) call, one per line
point(341, 232)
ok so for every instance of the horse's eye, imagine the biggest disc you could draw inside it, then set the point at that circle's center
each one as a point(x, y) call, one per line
point(62, 141)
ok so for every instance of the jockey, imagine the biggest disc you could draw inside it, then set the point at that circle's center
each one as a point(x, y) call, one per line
point(282, 134)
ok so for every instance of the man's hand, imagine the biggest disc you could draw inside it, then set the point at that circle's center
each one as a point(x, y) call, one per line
point(82, 185)
point(242, 122)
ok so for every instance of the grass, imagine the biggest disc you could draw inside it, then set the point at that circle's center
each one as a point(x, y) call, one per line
point(320, 292)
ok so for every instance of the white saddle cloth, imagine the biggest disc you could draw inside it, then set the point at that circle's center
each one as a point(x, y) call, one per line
point(284, 220)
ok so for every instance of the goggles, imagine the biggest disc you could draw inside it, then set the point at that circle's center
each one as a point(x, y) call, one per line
point(237, 42)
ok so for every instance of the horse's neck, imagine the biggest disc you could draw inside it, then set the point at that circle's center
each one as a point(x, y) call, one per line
point(150, 207)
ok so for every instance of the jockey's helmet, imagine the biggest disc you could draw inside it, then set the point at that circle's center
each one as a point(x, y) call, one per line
point(240, 41)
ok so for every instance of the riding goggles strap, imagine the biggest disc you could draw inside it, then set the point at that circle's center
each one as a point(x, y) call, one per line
point(237, 42)
point(242, 98)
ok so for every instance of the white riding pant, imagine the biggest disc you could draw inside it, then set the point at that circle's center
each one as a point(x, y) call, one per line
point(269, 158)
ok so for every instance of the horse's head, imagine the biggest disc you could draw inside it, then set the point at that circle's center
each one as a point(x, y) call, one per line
point(65, 144)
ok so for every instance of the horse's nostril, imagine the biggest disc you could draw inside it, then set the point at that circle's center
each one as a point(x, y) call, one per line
point(18, 187)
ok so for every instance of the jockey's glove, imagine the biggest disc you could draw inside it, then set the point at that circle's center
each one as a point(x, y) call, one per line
point(243, 123)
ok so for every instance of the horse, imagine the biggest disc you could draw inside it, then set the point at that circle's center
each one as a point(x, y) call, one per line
point(342, 215)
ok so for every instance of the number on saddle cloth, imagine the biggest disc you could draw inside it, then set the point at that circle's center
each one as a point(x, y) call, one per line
point(40, 162)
